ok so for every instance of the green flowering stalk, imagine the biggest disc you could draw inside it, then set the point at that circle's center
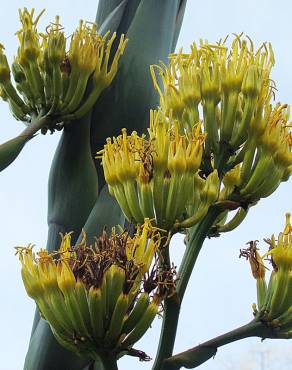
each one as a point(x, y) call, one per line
point(51, 82)
point(73, 171)
point(99, 299)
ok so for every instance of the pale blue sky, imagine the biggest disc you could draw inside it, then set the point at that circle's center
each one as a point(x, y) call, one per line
point(222, 290)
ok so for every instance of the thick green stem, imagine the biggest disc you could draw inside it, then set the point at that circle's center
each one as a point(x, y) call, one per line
point(194, 245)
point(196, 356)
point(168, 331)
point(35, 125)
point(10, 150)
point(173, 304)
point(221, 158)
point(109, 362)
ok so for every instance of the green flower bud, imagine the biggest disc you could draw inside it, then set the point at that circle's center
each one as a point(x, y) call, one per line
point(56, 44)
point(30, 46)
point(4, 67)
point(251, 84)
point(18, 73)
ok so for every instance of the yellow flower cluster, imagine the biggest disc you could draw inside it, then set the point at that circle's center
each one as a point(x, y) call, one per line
point(100, 297)
point(157, 178)
point(229, 90)
point(230, 85)
point(51, 80)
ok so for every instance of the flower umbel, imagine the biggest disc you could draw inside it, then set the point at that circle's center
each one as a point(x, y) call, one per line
point(149, 177)
point(229, 90)
point(51, 81)
point(102, 297)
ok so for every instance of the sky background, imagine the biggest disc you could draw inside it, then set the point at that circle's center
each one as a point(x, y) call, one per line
point(221, 290)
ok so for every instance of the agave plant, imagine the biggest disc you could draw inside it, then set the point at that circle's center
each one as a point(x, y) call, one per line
point(154, 143)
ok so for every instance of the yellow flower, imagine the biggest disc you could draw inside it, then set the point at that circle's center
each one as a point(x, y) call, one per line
point(194, 150)
point(29, 49)
point(232, 177)
point(281, 251)
point(159, 135)
point(84, 47)
point(55, 43)
point(30, 272)
point(104, 74)
point(188, 79)
point(177, 153)
point(276, 138)
point(170, 99)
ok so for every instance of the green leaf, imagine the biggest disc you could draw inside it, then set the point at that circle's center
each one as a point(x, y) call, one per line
point(105, 7)
point(178, 22)
point(10, 150)
point(129, 14)
point(105, 213)
point(46, 353)
point(127, 101)
point(113, 20)
point(72, 183)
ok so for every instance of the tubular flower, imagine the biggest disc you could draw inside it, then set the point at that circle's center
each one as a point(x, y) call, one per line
point(275, 299)
point(51, 81)
point(98, 298)
point(149, 177)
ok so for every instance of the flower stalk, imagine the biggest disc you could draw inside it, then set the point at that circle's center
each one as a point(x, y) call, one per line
point(196, 356)
point(173, 304)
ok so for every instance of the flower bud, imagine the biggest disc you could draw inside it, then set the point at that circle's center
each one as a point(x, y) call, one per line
point(4, 67)
point(282, 250)
point(177, 156)
point(18, 73)
point(56, 47)
point(159, 135)
point(210, 81)
point(251, 82)
point(232, 177)
point(30, 46)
